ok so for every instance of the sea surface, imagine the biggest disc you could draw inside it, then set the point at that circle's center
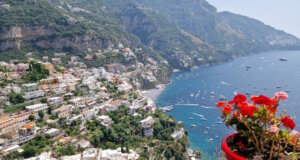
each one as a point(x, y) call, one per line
point(194, 94)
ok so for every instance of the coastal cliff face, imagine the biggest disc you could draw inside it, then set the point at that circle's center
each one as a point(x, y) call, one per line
point(46, 38)
point(225, 31)
point(186, 33)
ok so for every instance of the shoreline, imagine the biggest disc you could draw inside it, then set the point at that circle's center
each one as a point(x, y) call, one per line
point(154, 93)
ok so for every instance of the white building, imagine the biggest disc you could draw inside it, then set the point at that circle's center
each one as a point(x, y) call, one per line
point(78, 102)
point(105, 121)
point(30, 87)
point(177, 134)
point(84, 144)
point(125, 87)
point(90, 154)
point(16, 89)
point(147, 126)
point(147, 122)
point(109, 154)
point(37, 107)
point(73, 157)
point(61, 89)
point(43, 156)
point(34, 94)
point(63, 111)
point(52, 132)
point(55, 101)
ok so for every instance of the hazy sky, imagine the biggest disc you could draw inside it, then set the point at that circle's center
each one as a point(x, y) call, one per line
point(281, 14)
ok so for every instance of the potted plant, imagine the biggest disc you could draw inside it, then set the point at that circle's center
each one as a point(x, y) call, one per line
point(261, 133)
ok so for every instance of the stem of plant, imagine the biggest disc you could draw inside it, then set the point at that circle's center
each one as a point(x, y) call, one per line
point(272, 147)
point(255, 138)
point(295, 146)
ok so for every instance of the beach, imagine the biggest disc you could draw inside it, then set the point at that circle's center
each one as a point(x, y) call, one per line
point(154, 93)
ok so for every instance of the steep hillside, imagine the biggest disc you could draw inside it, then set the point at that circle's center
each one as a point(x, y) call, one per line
point(183, 32)
point(225, 31)
point(70, 26)
point(150, 28)
point(44, 26)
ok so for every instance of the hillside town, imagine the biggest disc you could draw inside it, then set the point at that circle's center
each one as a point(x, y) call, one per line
point(50, 111)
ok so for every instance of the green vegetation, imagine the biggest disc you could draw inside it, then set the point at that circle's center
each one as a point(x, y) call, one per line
point(31, 117)
point(5, 82)
point(14, 108)
point(36, 146)
point(41, 114)
point(127, 133)
point(73, 129)
point(65, 150)
point(29, 151)
point(12, 155)
point(36, 72)
point(16, 98)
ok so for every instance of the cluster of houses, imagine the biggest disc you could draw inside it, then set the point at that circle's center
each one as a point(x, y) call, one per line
point(57, 92)
point(57, 96)
point(11, 71)
point(92, 154)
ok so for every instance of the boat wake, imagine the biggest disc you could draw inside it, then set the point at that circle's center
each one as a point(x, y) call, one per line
point(206, 107)
point(198, 115)
point(180, 104)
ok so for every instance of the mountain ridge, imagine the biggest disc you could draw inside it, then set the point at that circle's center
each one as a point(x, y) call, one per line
point(186, 34)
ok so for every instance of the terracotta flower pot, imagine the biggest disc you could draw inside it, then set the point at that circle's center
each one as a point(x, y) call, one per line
point(226, 151)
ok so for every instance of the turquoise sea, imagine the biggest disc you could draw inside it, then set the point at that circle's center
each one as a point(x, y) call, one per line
point(194, 94)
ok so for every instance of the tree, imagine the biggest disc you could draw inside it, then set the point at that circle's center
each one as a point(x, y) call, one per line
point(110, 145)
point(29, 151)
point(16, 98)
point(31, 117)
point(49, 110)
point(68, 150)
point(44, 100)
point(12, 155)
point(41, 114)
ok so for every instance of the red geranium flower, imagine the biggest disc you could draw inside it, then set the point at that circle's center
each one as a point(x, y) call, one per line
point(235, 114)
point(288, 122)
point(293, 141)
point(272, 109)
point(262, 100)
point(247, 110)
point(227, 110)
point(239, 98)
point(220, 104)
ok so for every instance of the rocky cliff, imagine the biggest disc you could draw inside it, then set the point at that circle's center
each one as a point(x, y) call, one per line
point(183, 32)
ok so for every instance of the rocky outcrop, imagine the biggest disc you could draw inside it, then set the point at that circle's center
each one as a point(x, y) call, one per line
point(45, 38)
point(13, 37)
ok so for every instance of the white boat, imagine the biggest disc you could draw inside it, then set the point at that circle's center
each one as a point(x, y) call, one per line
point(203, 119)
point(193, 125)
point(167, 108)
point(222, 98)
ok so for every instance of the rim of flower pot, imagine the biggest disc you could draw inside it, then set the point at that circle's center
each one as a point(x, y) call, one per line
point(229, 153)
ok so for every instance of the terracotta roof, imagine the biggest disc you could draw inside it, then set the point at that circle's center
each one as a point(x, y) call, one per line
point(116, 102)
point(29, 125)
